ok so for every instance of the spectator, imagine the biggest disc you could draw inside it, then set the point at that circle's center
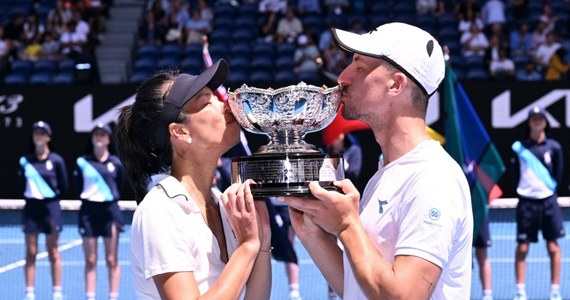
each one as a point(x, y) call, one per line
point(336, 6)
point(62, 10)
point(492, 12)
point(72, 42)
point(470, 8)
point(308, 7)
point(497, 30)
point(269, 28)
point(503, 67)
point(306, 54)
point(334, 59)
point(14, 31)
point(465, 22)
point(474, 42)
point(180, 10)
point(537, 163)
point(195, 28)
point(173, 30)
point(425, 7)
point(33, 50)
point(325, 38)
point(56, 26)
point(159, 12)
point(50, 47)
point(33, 28)
point(5, 46)
point(149, 31)
point(557, 66)
point(548, 17)
point(289, 27)
point(269, 6)
point(96, 14)
point(529, 73)
point(206, 12)
point(521, 42)
point(546, 50)
point(539, 34)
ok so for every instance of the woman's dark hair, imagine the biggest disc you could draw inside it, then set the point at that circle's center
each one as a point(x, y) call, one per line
point(134, 133)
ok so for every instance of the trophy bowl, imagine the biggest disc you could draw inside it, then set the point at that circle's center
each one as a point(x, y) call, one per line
point(287, 164)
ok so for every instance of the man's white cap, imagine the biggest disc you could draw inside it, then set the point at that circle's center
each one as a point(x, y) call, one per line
point(409, 48)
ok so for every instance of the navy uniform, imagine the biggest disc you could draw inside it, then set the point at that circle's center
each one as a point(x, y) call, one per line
point(44, 182)
point(100, 185)
point(538, 170)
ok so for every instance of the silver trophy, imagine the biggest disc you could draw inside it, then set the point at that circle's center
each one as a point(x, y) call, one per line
point(287, 164)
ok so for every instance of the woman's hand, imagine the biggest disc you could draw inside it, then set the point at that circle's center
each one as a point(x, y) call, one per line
point(241, 211)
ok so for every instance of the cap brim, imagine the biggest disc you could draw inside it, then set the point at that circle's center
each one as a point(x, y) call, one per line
point(187, 86)
point(359, 43)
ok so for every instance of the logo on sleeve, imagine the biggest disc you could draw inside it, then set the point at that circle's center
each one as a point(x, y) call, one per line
point(434, 214)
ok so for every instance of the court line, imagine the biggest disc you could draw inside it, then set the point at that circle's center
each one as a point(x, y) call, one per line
point(41, 255)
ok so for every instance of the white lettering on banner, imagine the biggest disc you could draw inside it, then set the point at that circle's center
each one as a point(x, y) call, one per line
point(83, 113)
point(9, 103)
point(501, 109)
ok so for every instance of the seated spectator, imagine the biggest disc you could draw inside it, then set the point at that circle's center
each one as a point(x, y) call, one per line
point(465, 21)
point(5, 45)
point(469, 8)
point(335, 60)
point(50, 47)
point(557, 67)
point(206, 12)
point(157, 9)
point(308, 7)
point(14, 31)
point(356, 27)
point(548, 17)
point(306, 54)
point(492, 12)
point(521, 41)
point(61, 10)
point(546, 50)
point(289, 27)
point(539, 34)
point(72, 42)
point(336, 6)
point(96, 14)
point(497, 30)
point(33, 50)
point(180, 9)
point(173, 29)
point(149, 31)
point(325, 38)
point(529, 73)
point(82, 26)
point(195, 28)
point(503, 67)
point(33, 28)
point(269, 28)
point(269, 6)
point(56, 26)
point(474, 42)
point(425, 7)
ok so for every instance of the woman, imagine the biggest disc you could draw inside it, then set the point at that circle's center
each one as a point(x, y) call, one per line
point(183, 243)
point(99, 177)
point(44, 180)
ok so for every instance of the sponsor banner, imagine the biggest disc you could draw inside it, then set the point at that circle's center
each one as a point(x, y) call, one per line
point(73, 110)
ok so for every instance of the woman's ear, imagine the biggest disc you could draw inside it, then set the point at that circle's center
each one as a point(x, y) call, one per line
point(180, 132)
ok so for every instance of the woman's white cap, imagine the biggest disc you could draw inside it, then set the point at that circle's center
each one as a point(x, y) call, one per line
point(412, 50)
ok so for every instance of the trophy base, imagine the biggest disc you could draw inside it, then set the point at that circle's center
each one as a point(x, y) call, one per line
point(287, 174)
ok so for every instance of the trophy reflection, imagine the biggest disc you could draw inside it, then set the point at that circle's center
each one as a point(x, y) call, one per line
point(287, 164)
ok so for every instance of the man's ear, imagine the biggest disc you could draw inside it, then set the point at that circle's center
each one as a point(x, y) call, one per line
point(397, 83)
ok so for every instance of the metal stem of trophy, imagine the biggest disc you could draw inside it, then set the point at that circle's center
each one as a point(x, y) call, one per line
point(287, 164)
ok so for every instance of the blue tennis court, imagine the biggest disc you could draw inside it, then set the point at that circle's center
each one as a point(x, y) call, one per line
point(312, 284)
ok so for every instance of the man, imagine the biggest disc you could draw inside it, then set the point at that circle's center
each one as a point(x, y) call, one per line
point(410, 236)
point(537, 163)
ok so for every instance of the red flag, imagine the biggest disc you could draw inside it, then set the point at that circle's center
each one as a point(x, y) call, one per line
point(220, 92)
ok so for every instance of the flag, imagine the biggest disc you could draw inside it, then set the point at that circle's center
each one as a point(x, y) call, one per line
point(469, 144)
point(341, 125)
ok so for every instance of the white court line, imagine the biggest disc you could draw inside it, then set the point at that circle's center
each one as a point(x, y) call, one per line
point(41, 255)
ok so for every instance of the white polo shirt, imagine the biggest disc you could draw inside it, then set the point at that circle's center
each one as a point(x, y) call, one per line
point(169, 234)
point(420, 205)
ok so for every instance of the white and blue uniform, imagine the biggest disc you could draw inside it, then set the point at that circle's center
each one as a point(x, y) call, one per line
point(99, 187)
point(43, 184)
point(537, 168)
